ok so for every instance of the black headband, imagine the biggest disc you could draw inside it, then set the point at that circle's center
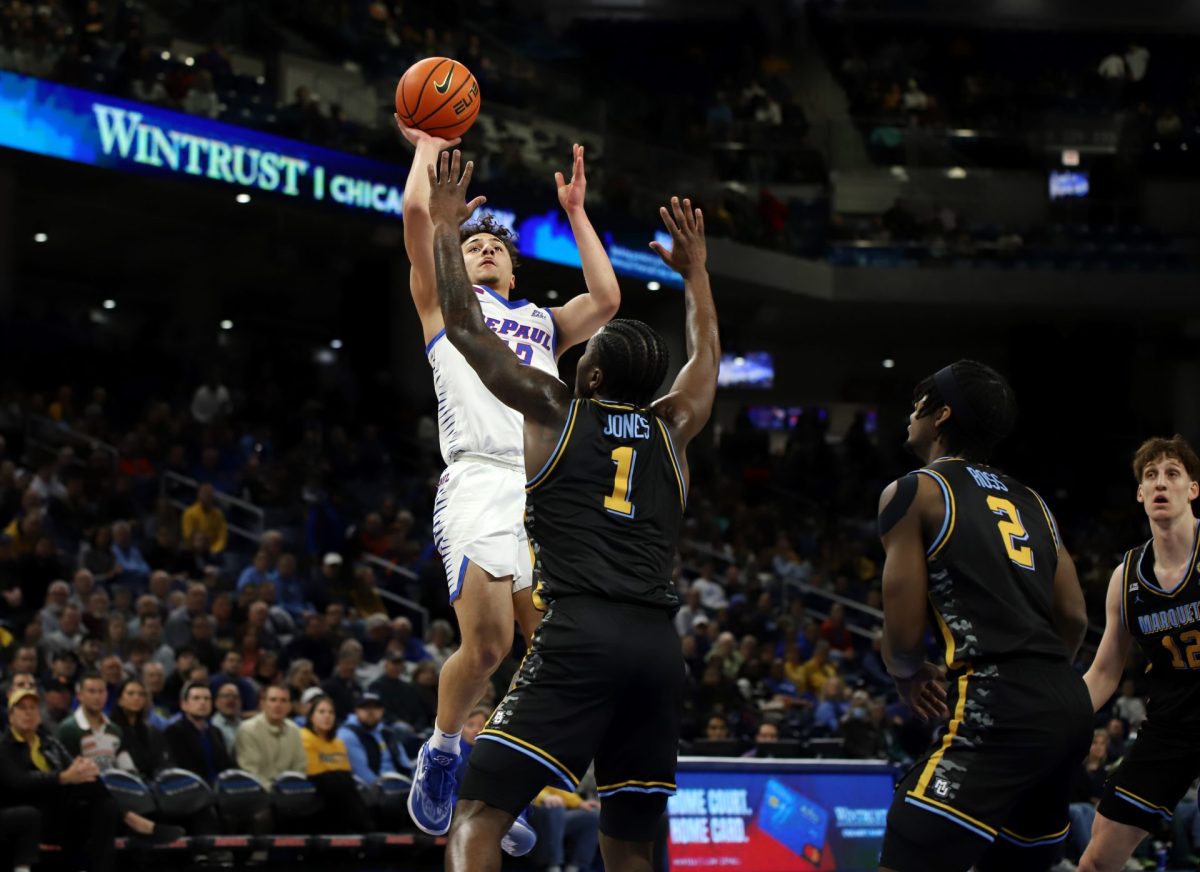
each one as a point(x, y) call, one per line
point(947, 386)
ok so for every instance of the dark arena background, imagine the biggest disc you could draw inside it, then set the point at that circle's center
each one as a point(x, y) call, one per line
point(203, 281)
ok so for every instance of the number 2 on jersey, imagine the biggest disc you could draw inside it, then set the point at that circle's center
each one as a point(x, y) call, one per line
point(618, 501)
point(1012, 531)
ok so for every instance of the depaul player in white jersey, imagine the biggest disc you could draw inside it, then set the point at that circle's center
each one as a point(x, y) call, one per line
point(480, 504)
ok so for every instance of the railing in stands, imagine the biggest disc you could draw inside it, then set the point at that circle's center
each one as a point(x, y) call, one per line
point(49, 435)
point(243, 518)
point(411, 606)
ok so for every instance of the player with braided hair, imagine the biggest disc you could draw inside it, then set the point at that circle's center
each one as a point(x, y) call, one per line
point(603, 678)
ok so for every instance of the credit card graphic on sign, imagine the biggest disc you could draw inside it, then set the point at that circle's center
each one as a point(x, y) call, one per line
point(794, 821)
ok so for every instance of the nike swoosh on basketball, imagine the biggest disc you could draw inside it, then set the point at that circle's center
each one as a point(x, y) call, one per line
point(445, 85)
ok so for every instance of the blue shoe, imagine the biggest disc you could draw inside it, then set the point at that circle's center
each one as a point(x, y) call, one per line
point(520, 838)
point(431, 799)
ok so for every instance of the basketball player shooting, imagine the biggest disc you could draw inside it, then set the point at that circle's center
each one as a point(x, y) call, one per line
point(480, 503)
point(603, 679)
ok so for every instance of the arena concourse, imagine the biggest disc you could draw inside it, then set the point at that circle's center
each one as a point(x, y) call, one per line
point(219, 438)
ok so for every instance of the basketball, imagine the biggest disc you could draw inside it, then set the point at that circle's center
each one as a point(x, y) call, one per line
point(438, 96)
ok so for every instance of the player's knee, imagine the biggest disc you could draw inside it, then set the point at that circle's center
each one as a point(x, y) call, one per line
point(484, 654)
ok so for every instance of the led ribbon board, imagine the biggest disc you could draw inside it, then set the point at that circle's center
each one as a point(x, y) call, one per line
point(86, 127)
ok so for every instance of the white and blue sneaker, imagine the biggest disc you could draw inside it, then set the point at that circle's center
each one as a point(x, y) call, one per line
point(520, 838)
point(434, 786)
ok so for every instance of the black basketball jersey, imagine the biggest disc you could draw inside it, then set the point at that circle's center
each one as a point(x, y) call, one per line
point(1167, 627)
point(604, 512)
point(991, 567)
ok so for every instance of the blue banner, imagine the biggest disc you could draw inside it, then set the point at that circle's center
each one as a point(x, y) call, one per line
point(55, 120)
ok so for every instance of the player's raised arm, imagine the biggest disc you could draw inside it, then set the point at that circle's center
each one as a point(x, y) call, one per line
point(585, 314)
point(688, 405)
point(538, 396)
point(1108, 665)
point(418, 228)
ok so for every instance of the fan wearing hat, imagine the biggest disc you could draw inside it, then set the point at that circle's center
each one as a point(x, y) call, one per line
point(372, 748)
point(77, 811)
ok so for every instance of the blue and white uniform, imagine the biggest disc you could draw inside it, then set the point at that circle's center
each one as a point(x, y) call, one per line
point(478, 515)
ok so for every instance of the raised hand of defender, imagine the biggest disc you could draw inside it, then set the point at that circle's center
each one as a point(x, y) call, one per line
point(688, 251)
point(416, 136)
point(448, 190)
point(571, 195)
point(925, 692)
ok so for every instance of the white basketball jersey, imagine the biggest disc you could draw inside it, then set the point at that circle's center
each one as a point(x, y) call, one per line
point(470, 419)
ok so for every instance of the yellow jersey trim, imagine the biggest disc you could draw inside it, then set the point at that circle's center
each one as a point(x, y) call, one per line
point(936, 758)
point(488, 731)
point(556, 456)
point(674, 461)
point(1049, 519)
point(1157, 588)
point(947, 637)
point(1021, 838)
point(1133, 795)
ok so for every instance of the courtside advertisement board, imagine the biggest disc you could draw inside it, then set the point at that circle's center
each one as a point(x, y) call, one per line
point(778, 816)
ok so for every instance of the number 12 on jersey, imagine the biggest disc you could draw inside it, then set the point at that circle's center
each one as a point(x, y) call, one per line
point(618, 501)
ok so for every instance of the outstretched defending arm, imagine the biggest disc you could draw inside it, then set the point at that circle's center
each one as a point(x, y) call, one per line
point(688, 405)
point(540, 397)
point(586, 313)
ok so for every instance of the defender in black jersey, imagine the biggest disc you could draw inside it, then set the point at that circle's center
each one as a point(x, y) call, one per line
point(603, 677)
point(1153, 598)
point(976, 555)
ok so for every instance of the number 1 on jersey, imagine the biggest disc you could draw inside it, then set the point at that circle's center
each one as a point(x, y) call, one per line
point(1012, 531)
point(618, 501)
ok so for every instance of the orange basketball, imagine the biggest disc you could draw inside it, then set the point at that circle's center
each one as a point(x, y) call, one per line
point(439, 96)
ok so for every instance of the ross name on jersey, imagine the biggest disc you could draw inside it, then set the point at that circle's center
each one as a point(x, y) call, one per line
point(516, 330)
point(1169, 619)
point(629, 425)
point(988, 480)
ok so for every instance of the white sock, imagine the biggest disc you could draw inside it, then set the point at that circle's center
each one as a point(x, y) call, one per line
point(445, 742)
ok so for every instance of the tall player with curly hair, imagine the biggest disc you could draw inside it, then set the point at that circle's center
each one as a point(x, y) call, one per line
point(480, 504)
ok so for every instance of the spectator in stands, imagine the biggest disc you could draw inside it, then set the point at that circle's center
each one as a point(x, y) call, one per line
point(832, 706)
point(98, 560)
point(863, 736)
point(258, 571)
point(131, 567)
point(231, 673)
point(67, 638)
point(313, 645)
point(228, 715)
point(425, 680)
point(837, 634)
point(716, 728)
point(300, 677)
point(58, 696)
point(401, 702)
point(712, 595)
point(725, 656)
point(144, 742)
point(766, 734)
point(193, 743)
point(819, 669)
point(179, 624)
point(204, 515)
point(372, 748)
point(290, 588)
point(89, 733)
point(154, 679)
point(1118, 739)
point(58, 596)
point(151, 633)
point(690, 610)
point(343, 687)
point(566, 817)
point(269, 744)
point(329, 769)
point(207, 652)
point(76, 810)
point(402, 638)
point(112, 670)
point(1087, 787)
point(210, 403)
point(1128, 706)
point(441, 642)
point(24, 661)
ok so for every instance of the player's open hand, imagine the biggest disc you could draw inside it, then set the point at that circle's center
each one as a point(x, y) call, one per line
point(925, 692)
point(571, 195)
point(415, 136)
point(688, 251)
point(448, 190)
